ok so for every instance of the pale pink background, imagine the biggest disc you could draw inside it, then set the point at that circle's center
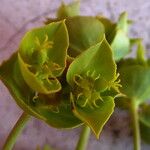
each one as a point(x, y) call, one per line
point(18, 16)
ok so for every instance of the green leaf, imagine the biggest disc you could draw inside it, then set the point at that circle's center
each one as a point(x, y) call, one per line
point(73, 9)
point(42, 57)
point(54, 109)
point(95, 118)
point(120, 45)
point(116, 35)
point(123, 22)
point(135, 81)
point(144, 119)
point(119, 39)
point(141, 54)
point(83, 33)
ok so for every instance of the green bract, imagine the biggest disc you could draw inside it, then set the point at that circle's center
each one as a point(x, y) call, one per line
point(54, 109)
point(135, 77)
point(118, 38)
point(64, 73)
point(83, 32)
point(135, 81)
point(42, 57)
point(73, 9)
point(90, 74)
point(91, 63)
point(117, 35)
point(28, 89)
point(80, 27)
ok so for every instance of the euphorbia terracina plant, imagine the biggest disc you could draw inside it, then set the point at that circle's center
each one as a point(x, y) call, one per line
point(65, 74)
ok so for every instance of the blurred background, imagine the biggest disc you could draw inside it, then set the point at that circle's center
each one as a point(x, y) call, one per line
point(17, 17)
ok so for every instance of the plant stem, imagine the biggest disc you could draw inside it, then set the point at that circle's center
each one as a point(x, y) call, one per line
point(83, 140)
point(15, 132)
point(135, 124)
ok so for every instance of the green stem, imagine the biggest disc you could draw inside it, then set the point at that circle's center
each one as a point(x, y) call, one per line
point(135, 124)
point(83, 140)
point(15, 132)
